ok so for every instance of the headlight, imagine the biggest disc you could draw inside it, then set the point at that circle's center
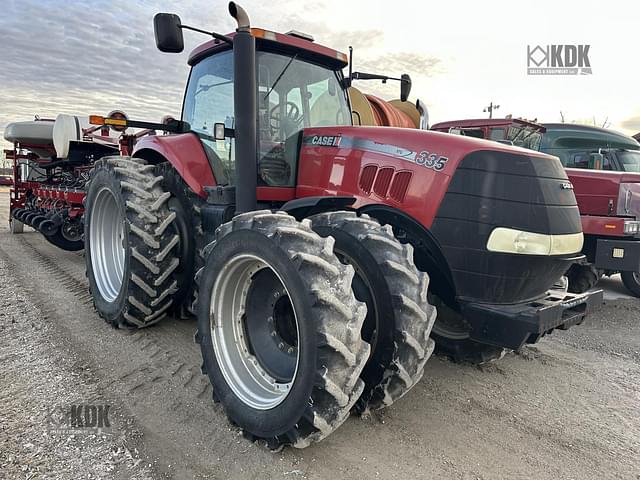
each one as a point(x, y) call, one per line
point(631, 227)
point(508, 240)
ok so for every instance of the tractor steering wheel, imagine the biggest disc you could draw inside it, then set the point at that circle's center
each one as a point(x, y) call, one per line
point(292, 118)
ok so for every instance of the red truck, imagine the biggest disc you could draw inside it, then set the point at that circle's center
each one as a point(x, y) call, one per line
point(604, 169)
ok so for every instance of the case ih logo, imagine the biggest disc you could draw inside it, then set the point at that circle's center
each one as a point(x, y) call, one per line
point(331, 141)
point(558, 60)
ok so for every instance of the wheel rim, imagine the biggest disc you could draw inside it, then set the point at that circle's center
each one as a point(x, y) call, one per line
point(254, 332)
point(107, 249)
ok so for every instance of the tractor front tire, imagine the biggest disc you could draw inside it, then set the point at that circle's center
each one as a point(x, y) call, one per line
point(631, 280)
point(451, 334)
point(280, 329)
point(582, 278)
point(131, 243)
point(399, 316)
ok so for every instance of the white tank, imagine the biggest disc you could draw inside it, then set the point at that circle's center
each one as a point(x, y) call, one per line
point(66, 129)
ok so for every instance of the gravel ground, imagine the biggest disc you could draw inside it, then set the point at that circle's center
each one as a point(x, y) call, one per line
point(566, 408)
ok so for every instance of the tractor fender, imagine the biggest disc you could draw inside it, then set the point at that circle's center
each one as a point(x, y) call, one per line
point(185, 152)
point(428, 254)
point(306, 206)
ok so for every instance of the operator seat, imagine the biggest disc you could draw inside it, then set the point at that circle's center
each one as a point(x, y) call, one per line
point(277, 166)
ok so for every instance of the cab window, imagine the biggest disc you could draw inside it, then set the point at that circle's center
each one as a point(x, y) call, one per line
point(582, 160)
point(209, 100)
point(497, 134)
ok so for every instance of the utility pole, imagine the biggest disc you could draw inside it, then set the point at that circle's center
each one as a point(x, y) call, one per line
point(490, 109)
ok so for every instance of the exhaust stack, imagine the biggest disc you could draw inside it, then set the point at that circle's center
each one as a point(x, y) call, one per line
point(245, 105)
point(240, 15)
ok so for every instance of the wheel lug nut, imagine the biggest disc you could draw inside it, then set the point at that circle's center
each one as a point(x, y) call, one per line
point(290, 350)
point(270, 319)
point(281, 346)
point(273, 334)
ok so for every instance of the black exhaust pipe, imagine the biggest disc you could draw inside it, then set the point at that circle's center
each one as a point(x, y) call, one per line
point(245, 105)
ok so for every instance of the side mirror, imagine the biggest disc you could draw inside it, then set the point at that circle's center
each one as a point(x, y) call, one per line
point(218, 131)
point(168, 32)
point(596, 161)
point(405, 87)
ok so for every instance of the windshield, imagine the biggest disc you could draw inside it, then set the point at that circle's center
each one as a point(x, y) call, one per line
point(526, 137)
point(630, 160)
point(293, 94)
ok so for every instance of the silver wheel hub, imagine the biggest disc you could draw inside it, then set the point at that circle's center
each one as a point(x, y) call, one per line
point(256, 352)
point(106, 232)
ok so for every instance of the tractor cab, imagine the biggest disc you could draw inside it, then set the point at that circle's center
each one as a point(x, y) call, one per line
point(299, 85)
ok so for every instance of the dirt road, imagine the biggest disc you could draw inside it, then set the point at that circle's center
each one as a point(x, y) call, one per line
point(567, 408)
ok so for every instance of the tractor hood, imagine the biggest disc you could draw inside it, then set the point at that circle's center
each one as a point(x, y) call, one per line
point(461, 190)
point(606, 193)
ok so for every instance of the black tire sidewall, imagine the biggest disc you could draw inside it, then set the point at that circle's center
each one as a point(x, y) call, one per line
point(111, 311)
point(184, 225)
point(363, 261)
point(283, 417)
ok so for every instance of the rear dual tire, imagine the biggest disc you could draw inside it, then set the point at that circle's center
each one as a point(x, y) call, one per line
point(132, 245)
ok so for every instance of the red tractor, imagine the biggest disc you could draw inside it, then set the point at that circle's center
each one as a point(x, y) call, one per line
point(318, 251)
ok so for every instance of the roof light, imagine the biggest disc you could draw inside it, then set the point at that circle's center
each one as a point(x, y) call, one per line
point(266, 34)
point(296, 33)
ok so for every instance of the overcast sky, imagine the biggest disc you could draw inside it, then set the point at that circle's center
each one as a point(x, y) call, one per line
point(84, 57)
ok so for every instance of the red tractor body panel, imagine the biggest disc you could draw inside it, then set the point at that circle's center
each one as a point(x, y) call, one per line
point(185, 153)
point(383, 165)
